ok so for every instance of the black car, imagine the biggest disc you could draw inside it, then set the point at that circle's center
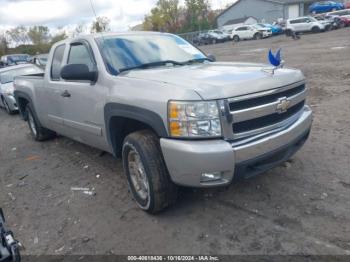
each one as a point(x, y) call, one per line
point(208, 39)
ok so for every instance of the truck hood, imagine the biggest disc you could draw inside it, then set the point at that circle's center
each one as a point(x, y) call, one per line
point(221, 80)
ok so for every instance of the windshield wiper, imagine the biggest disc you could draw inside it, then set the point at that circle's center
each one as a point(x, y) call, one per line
point(197, 60)
point(147, 65)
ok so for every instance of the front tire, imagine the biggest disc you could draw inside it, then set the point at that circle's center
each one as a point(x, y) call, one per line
point(38, 132)
point(236, 38)
point(147, 175)
point(257, 36)
point(315, 29)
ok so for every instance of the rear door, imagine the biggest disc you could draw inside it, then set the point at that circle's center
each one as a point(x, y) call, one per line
point(51, 104)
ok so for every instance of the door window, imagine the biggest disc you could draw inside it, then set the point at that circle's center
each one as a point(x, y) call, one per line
point(79, 54)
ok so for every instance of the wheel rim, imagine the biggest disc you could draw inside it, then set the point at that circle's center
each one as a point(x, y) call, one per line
point(138, 175)
point(32, 123)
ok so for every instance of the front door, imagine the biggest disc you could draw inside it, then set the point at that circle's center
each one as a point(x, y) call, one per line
point(84, 101)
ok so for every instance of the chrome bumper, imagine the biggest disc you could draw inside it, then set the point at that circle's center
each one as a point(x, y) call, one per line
point(188, 160)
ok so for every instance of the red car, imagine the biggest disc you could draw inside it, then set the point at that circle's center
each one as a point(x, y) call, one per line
point(347, 5)
point(343, 21)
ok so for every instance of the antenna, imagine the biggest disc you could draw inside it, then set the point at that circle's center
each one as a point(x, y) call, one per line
point(102, 33)
point(93, 8)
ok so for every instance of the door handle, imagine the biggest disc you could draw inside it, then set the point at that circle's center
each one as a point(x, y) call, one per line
point(65, 94)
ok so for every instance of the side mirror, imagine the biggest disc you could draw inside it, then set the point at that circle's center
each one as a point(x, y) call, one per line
point(212, 58)
point(78, 72)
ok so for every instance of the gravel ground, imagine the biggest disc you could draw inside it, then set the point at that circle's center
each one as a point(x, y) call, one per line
point(301, 207)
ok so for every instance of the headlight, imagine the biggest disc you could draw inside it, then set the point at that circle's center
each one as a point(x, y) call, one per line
point(194, 119)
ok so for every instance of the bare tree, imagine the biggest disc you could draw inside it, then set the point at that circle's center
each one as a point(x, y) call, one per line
point(79, 29)
point(19, 35)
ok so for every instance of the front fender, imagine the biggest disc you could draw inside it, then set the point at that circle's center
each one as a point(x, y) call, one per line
point(142, 115)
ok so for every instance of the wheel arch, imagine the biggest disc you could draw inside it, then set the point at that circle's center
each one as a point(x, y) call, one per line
point(121, 120)
point(22, 100)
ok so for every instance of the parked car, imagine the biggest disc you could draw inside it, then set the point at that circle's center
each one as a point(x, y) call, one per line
point(39, 60)
point(341, 21)
point(250, 32)
point(347, 4)
point(327, 21)
point(7, 75)
point(15, 59)
point(210, 38)
point(304, 24)
point(342, 13)
point(275, 29)
point(221, 35)
point(325, 6)
point(174, 116)
point(204, 39)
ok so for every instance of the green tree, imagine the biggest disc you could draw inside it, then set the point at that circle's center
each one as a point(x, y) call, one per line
point(3, 44)
point(163, 17)
point(101, 24)
point(197, 12)
point(39, 35)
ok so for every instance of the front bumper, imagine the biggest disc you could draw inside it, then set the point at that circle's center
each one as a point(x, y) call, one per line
point(188, 160)
point(266, 33)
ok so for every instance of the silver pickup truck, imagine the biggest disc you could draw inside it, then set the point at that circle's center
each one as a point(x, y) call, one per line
point(174, 115)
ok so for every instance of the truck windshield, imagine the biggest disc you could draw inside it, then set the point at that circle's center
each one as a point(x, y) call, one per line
point(126, 52)
point(9, 76)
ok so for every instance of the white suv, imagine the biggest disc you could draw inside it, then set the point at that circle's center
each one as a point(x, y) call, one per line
point(250, 32)
point(305, 24)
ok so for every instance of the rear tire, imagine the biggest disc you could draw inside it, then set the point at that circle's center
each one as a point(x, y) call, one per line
point(38, 132)
point(147, 175)
point(236, 38)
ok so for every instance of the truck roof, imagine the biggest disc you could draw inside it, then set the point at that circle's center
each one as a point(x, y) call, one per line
point(107, 34)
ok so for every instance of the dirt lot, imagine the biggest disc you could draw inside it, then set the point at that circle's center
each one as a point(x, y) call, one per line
point(301, 207)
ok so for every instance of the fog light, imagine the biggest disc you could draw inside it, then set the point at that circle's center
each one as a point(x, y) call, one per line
point(209, 177)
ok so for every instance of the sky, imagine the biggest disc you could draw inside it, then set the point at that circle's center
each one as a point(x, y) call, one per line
point(67, 14)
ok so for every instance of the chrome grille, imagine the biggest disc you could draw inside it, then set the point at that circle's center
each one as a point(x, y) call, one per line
point(266, 111)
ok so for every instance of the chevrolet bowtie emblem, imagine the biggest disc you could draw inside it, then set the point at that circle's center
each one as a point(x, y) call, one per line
point(283, 105)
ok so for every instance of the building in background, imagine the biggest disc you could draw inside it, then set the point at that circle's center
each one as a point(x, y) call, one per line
point(266, 11)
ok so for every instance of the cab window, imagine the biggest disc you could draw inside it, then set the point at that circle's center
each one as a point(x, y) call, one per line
point(57, 62)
